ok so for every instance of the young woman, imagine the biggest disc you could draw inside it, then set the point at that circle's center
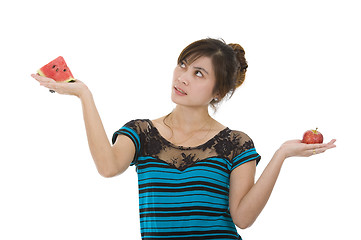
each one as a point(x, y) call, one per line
point(196, 176)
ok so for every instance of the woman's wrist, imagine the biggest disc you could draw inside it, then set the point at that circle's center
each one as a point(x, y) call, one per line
point(281, 154)
point(84, 93)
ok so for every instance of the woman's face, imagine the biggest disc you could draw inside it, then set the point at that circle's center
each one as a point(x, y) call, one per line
point(193, 83)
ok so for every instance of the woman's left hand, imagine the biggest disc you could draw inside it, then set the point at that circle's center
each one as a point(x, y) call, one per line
point(295, 148)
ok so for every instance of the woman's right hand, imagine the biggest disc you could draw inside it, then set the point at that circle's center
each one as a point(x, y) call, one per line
point(295, 148)
point(76, 88)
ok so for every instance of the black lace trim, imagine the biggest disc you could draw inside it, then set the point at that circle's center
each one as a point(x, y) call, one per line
point(226, 144)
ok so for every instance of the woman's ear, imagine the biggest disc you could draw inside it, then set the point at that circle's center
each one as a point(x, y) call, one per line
point(216, 97)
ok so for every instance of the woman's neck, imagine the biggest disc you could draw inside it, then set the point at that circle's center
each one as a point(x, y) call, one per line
point(190, 119)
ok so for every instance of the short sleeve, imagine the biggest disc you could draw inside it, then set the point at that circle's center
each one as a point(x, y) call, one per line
point(245, 152)
point(133, 131)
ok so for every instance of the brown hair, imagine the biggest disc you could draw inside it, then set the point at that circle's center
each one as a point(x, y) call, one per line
point(228, 62)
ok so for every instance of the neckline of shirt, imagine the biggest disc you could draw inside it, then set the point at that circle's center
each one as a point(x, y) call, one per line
point(184, 147)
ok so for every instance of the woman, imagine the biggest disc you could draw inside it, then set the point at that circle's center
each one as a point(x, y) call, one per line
point(196, 177)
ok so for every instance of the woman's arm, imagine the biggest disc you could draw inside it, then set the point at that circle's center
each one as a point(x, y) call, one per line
point(247, 199)
point(109, 160)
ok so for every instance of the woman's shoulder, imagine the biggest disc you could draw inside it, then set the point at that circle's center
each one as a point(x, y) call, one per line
point(139, 120)
point(158, 122)
point(238, 138)
point(238, 134)
point(138, 125)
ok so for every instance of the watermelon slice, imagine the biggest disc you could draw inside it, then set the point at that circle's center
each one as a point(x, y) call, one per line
point(57, 70)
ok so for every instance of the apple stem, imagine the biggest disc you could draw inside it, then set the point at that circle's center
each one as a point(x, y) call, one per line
point(315, 131)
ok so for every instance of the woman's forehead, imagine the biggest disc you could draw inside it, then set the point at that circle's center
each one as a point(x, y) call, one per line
point(190, 57)
point(197, 58)
point(202, 63)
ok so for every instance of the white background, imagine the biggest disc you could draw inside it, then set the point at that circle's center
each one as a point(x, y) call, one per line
point(304, 72)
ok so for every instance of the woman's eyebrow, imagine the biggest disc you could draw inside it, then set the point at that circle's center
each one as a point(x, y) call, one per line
point(202, 69)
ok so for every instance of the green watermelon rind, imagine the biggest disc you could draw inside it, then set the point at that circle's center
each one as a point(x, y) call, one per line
point(42, 74)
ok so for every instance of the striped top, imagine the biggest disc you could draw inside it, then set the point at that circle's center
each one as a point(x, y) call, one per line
point(183, 191)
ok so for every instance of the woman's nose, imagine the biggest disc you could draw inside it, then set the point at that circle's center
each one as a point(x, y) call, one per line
point(183, 79)
point(185, 82)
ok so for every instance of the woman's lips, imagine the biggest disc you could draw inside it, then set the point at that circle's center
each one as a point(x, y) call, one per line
point(180, 91)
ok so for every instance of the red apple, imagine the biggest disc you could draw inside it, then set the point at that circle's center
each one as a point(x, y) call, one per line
point(312, 137)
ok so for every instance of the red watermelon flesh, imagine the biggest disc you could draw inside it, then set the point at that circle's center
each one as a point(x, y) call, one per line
point(57, 70)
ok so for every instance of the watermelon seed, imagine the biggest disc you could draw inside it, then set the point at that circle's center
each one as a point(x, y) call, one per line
point(57, 70)
point(54, 66)
point(64, 70)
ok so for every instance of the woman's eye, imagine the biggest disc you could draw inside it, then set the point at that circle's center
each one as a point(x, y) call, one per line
point(182, 65)
point(199, 74)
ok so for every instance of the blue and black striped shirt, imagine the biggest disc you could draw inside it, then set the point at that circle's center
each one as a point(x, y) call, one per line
point(183, 191)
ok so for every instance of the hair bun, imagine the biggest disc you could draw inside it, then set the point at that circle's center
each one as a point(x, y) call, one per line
point(240, 56)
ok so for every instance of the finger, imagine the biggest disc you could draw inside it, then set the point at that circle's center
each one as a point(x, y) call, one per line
point(58, 87)
point(49, 85)
point(321, 150)
point(330, 144)
point(314, 146)
point(42, 78)
point(308, 153)
point(312, 152)
point(52, 86)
